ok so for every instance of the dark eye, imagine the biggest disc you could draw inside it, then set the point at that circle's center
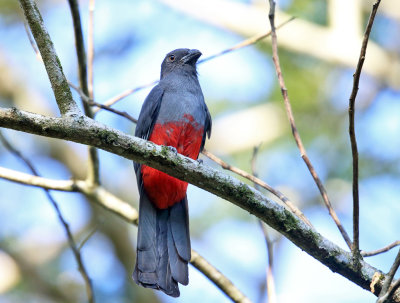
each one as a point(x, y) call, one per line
point(171, 58)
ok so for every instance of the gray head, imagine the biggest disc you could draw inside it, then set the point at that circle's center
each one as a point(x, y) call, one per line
point(183, 59)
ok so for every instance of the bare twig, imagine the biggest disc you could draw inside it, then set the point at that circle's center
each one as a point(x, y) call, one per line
point(240, 45)
point(392, 290)
point(381, 250)
point(86, 99)
point(271, 292)
point(93, 174)
point(51, 62)
point(88, 236)
point(80, 52)
point(124, 210)
point(244, 43)
point(259, 182)
point(126, 93)
point(217, 278)
point(270, 280)
point(70, 238)
point(354, 151)
point(32, 42)
point(387, 291)
point(295, 133)
point(91, 47)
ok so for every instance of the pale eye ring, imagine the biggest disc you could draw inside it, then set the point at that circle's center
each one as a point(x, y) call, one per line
point(171, 58)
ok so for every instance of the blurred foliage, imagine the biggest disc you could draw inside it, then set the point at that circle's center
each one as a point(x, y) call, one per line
point(314, 11)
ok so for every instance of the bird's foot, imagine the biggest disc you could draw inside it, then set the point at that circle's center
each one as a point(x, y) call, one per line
point(200, 161)
point(173, 149)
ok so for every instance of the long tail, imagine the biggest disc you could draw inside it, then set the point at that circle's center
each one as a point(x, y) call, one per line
point(163, 248)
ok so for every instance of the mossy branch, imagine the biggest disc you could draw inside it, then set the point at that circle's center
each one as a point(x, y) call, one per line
point(59, 84)
point(89, 132)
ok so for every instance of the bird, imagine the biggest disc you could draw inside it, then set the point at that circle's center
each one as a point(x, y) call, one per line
point(174, 114)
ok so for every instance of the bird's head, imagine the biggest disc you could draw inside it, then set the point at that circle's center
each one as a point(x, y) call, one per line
point(180, 59)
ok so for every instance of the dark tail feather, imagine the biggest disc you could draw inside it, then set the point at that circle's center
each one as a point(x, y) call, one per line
point(179, 241)
point(163, 248)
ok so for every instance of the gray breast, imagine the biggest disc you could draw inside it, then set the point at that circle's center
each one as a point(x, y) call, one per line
point(182, 98)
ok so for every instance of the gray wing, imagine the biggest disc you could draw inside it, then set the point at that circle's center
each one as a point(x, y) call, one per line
point(147, 118)
point(207, 128)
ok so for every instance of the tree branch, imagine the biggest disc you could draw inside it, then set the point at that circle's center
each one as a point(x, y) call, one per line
point(126, 93)
point(87, 131)
point(295, 133)
point(87, 100)
point(381, 250)
point(384, 295)
point(217, 278)
point(91, 47)
point(93, 161)
point(124, 210)
point(353, 141)
point(51, 62)
point(259, 182)
point(270, 280)
point(244, 43)
point(70, 238)
point(80, 53)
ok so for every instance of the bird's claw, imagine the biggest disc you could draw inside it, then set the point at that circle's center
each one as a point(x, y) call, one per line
point(200, 161)
point(173, 149)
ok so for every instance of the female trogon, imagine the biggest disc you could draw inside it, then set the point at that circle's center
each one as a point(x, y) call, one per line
point(174, 114)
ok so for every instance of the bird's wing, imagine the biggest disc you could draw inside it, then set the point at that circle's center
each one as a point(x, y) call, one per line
point(149, 113)
point(207, 128)
point(148, 116)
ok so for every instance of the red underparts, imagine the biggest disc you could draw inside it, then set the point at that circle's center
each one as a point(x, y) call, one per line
point(186, 136)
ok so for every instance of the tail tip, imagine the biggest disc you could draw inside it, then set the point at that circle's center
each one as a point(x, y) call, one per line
point(147, 280)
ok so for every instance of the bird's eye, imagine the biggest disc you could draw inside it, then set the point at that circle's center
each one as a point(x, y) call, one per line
point(171, 58)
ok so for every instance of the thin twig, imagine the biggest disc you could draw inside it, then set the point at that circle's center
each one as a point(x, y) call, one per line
point(93, 174)
point(32, 42)
point(126, 93)
point(240, 45)
point(392, 290)
point(271, 292)
point(384, 294)
point(218, 279)
point(91, 47)
point(51, 62)
point(108, 201)
point(270, 280)
point(71, 241)
point(260, 182)
point(354, 151)
point(244, 43)
point(86, 99)
point(295, 133)
point(88, 236)
point(80, 53)
point(381, 250)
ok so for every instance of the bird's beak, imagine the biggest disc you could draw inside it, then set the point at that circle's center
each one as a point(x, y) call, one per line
point(192, 56)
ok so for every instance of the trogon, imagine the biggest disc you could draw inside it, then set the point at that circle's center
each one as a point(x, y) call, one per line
point(174, 114)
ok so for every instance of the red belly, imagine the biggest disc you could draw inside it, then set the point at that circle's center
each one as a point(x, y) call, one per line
point(162, 189)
